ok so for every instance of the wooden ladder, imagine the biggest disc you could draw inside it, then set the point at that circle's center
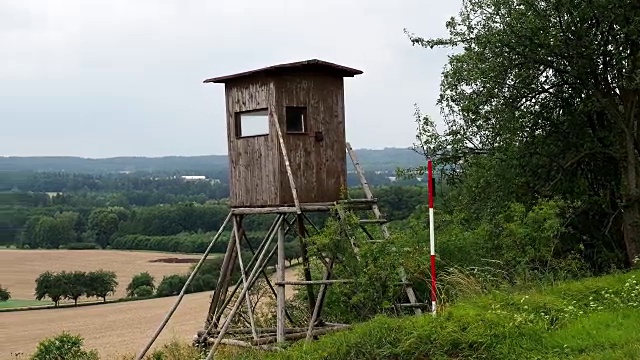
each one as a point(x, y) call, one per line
point(385, 232)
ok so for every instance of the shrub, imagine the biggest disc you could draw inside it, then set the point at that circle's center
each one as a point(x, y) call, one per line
point(64, 346)
point(171, 285)
point(143, 291)
point(5, 295)
point(139, 280)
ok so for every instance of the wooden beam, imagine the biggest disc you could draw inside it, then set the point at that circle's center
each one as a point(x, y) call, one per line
point(301, 335)
point(244, 278)
point(260, 263)
point(280, 298)
point(283, 148)
point(313, 282)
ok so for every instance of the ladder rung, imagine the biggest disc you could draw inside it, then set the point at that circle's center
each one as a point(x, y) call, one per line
point(313, 282)
point(373, 221)
point(416, 305)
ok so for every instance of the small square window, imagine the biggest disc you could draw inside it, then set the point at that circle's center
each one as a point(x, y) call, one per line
point(296, 119)
point(252, 123)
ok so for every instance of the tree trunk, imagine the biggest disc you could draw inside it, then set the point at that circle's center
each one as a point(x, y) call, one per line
point(631, 208)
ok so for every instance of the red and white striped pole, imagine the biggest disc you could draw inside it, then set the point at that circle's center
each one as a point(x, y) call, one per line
point(431, 187)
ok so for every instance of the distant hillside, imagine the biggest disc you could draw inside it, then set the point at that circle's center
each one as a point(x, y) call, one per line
point(371, 160)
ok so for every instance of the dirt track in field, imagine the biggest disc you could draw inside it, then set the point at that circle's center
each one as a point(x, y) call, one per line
point(113, 329)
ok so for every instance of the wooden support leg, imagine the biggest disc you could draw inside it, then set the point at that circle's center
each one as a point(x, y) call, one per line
point(244, 279)
point(281, 288)
point(305, 261)
point(320, 301)
point(260, 263)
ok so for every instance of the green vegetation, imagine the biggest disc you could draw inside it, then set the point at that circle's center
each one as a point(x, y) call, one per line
point(19, 303)
point(5, 295)
point(142, 280)
point(538, 166)
point(64, 346)
point(73, 285)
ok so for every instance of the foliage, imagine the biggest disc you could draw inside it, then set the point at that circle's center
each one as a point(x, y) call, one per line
point(542, 102)
point(63, 347)
point(143, 279)
point(143, 291)
point(171, 285)
point(588, 317)
point(102, 283)
point(5, 295)
point(73, 285)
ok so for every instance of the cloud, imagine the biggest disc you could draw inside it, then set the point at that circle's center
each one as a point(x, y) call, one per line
point(107, 78)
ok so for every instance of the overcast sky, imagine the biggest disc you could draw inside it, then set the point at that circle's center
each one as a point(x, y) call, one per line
point(124, 77)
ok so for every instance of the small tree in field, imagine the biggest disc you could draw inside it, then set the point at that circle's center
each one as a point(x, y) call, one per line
point(5, 295)
point(76, 284)
point(142, 279)
point(51, 285)
point(101, 283)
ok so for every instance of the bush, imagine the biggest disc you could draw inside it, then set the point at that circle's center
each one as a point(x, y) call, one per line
point(143, 291)
point(63, 347)
point(5, 295)
point(143, 279)
point(171, 285)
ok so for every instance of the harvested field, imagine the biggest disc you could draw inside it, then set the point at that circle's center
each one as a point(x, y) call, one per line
point(113, 329)
point(20, 268)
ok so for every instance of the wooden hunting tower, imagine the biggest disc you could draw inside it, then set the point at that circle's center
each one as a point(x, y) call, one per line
point(291, 112)
point(287, 155)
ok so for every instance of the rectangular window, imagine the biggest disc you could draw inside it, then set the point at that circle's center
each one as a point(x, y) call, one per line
point(296, 117)
point(252, 123)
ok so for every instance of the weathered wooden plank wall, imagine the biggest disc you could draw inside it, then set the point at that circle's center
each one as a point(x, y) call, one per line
point(318, 167)
point(255, 161)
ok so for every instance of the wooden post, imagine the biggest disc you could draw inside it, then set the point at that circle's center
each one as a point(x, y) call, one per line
point(305, 261)
point(219, 294)
point(273, 116)
point(244, 279)
point(320, 300)
point(281, 288)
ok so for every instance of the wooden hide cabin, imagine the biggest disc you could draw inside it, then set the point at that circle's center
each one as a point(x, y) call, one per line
point(303, 102)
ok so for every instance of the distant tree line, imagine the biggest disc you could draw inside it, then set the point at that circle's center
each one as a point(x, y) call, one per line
point(181, 227)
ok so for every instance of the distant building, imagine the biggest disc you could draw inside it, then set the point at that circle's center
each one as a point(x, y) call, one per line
point(193, 177)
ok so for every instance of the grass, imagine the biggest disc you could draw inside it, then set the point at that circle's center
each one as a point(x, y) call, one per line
point(18, 303)
point(594, 318)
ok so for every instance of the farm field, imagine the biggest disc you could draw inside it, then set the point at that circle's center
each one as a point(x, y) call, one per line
point(113, 329)
point(20, 268)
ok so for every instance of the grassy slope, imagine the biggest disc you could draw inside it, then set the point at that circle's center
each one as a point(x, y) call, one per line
point(590, 319)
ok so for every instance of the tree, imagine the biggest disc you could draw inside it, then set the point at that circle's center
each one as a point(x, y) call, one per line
point(77, 284)
point(103, 223)
point(552, 89)
point(101, 283)
point(51, 285)
point(139, 280)
point(5, 295)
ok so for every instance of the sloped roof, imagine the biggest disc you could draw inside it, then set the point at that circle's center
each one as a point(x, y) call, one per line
point(313, 65)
